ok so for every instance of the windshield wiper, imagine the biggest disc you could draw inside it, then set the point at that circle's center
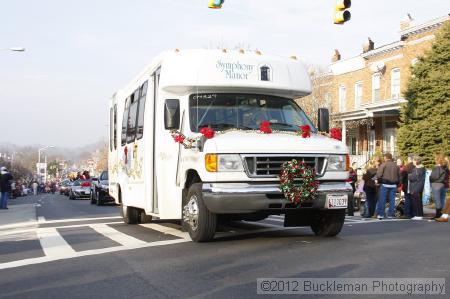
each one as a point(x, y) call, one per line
point(225, 126)
point(283, 124)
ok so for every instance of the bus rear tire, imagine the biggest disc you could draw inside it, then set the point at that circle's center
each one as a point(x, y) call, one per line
point(199, 221)
point(328, 223)
point(130, 215)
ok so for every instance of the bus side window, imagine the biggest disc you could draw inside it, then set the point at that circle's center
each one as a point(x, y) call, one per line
point(132, 117)
point(124, 122)
point(111, 116)
point(115, 127)
point(140, 122)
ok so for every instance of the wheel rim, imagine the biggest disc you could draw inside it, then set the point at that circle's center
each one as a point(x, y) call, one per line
point(124, 211)
point(190, 213)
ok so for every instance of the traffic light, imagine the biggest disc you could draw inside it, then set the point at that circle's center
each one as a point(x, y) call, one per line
point(215, 4)
point(341, 14)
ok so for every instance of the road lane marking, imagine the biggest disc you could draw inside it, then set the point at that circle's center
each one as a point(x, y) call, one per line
point(45, 259)
point(53, 244)
point(166, 230)
point(81, 219)
point(117, 236)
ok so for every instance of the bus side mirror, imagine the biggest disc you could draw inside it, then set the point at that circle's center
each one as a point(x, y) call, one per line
point(172, 114)
point(323, 120)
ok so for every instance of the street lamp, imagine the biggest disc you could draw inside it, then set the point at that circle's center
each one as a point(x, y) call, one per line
point(39, 162)
point(44, 148)
point(14, 49)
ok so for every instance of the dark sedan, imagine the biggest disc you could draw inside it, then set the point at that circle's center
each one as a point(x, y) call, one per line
point(100, 191)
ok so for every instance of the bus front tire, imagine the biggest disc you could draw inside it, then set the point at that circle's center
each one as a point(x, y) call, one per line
point(130, 215)
point(198, 220)
point(328, 223)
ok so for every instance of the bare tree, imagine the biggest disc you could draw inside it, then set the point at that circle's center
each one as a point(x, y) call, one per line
point(320, 97)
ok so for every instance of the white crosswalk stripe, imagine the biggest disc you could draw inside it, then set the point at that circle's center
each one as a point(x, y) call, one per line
point(53, 244)
point(115, 235)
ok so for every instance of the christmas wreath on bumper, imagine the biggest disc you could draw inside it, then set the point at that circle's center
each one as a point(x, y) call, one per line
point(306, 189)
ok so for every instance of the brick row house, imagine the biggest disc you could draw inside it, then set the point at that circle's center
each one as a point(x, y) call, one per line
point(364, 93)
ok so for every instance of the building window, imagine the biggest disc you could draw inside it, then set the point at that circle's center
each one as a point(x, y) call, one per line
point(342, 98)
point(372, 142)
point(389, 141)
point(376, 78)
point(358, 94)
point(395, 83)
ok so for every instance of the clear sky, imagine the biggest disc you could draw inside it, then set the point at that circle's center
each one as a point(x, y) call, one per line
point(80, 52)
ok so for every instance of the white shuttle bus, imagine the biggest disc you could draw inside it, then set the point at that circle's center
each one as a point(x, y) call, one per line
point(163, 165)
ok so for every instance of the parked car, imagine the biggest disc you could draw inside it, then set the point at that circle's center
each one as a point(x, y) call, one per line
point(64, 187)
point(100, 190)
point(80, 189)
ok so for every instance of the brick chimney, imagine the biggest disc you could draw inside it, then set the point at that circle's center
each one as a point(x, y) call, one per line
point(336, 56)
point(368, 45)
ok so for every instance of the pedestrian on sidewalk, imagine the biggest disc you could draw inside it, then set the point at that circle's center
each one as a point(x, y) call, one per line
point(5, 187)
point(446, 209)
point(35, 188)
point(388, 174)
point(437, 180)
point(370, 188)
point(416, 181)
point(352, 179)
point(407, 208)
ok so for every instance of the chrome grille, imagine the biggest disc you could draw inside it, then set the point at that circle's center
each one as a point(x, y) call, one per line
point(270, 165)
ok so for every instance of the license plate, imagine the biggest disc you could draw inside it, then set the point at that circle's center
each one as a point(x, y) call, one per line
point(336, 201)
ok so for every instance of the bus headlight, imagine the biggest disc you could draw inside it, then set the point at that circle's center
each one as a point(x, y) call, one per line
point(337, 163)
point(223, 163)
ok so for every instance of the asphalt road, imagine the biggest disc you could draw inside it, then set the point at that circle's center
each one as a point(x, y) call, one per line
point(84, 251)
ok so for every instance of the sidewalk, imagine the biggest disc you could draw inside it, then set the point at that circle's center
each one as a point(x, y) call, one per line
point(16, 216)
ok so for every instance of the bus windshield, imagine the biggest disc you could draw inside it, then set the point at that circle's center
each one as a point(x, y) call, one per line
point(245, 111)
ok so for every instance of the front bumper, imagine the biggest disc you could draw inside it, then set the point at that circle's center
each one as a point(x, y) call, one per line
point(239, 198)
point(82, 193)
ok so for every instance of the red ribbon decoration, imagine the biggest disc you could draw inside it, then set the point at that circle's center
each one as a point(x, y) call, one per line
point(179, 138)
point(336, 133)
point(305, 130)
point(265, 127)
point(207, 132)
